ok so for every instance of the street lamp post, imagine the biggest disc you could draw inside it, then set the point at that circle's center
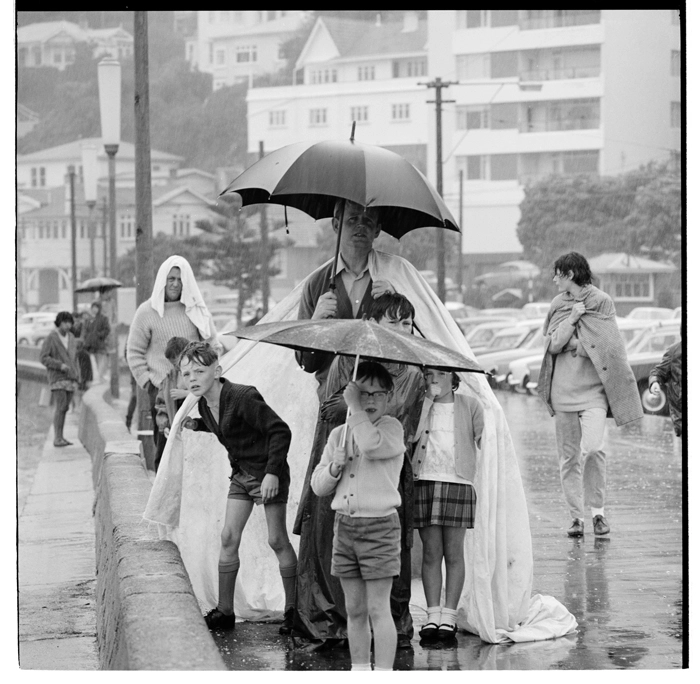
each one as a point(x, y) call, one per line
point(109, 78)
point(89, 153)
point(73, 237)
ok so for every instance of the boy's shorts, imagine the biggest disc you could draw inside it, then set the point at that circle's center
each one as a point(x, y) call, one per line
point(246, 487)
point(369, 548)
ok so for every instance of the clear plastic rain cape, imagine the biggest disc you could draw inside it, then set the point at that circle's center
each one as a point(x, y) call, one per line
point(188, 499)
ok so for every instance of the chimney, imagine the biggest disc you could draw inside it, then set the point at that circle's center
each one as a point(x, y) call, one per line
point(410, 21)
point(378, 22)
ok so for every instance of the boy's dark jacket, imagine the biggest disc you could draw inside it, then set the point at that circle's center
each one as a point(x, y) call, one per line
point(256, 438)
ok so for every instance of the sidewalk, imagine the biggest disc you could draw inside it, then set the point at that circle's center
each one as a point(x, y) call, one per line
point(56, 556)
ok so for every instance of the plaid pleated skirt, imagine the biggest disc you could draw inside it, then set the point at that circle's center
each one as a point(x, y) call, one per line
point(443, 503)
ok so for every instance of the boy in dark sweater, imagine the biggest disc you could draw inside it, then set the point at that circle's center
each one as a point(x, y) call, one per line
point(257, 441)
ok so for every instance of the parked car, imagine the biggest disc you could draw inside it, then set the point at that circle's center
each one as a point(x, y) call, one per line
point(523, 339)
point(33, 328)
point(644, 353)
point(503, 311)
point(469, 324)
point(654, 313)
point(481, 336)
point(524, 373)
point(536, 309)
point(508, 274)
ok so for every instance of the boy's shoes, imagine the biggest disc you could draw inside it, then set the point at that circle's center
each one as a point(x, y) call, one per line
point(61, 442)
point(286, 626)
point(447, 632)
point(429, 631)
point(576, 529)
point(215, 619)
point(600, 525)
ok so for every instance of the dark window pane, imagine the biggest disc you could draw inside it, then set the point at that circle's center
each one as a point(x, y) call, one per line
point(504, 115)
point(473, 167)
point(504, 64)
point(473, 18)
point(504, 17)
point(504, 166)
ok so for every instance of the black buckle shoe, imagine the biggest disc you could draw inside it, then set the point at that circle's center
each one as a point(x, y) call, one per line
point(215, 619)
point(286, 626)
point(447, 632)
point(429, 631)
point(576, 529)
point(600, 525)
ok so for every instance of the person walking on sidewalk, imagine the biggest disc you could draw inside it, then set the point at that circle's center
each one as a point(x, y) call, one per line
point(584, 377)
point(58, 355)
point(95, 333)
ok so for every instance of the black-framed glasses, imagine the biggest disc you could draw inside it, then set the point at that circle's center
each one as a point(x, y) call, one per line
point(377, 395)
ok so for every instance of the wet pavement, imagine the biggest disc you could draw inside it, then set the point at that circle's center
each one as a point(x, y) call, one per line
point(625, 590)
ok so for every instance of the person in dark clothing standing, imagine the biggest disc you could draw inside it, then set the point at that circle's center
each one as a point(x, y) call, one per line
point(95, 333)
point(669, 373)
point(58, 355)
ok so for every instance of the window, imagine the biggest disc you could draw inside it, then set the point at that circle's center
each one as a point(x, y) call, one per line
point(365, 73)
point(57, 57)
point(543, 19)
point(64, 229)
point(504, 115)
point(476, 167)
point(55, 231)
point(324, 76)
point(409, 68)
point(220, 57)
point(181, 224)
point(317, 117)
point(675, 114)
point(246, 53)
point(632, 285)
point(81, 230)
point(471, 67)
point(471, 117)
point(504, 64)
point(400, 112)
point(42, 177)
point(359, 113)
point(504, 18)
point(675, 63)
point(278, 118)
point(579, 161)
point(126, 226)
point(34, 177)
point(561, 115)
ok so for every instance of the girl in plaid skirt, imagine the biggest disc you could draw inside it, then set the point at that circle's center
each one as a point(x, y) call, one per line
point(444, 466)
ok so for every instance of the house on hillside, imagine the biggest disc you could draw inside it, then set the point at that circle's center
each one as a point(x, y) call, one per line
point(48, 168)
point(635, 281)
point(26, 120)
point(236, 46)
point(44, 233)
point(362, 71)
point(53, 43)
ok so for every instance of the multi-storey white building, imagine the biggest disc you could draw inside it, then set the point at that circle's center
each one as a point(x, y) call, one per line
point(549, 92)
point(367, 72)
point(541, 92)
point(235, 46)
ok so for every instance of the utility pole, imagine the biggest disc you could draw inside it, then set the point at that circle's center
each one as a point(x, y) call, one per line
point(73, 236)
point(439, 84)
point(460, 258)
point(263, 248)
point(144, 209)
point(105, 271)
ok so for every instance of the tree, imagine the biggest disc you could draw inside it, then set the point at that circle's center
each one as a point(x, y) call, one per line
point(638, 212)
point(235, 253)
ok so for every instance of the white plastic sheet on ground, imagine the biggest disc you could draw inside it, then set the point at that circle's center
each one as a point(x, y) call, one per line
point(189, 493)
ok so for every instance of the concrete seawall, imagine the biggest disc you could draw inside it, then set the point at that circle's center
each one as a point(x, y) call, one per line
point(147, 615)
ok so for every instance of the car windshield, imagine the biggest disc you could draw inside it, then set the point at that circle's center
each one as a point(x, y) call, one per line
point(653, 314)
point(507, 340)
point(658, 342)
point(481, 337)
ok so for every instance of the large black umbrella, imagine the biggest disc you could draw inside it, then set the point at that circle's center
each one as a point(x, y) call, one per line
point(312, 176)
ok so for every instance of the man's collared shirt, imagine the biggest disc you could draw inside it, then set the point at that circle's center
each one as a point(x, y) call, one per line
point(355, 285)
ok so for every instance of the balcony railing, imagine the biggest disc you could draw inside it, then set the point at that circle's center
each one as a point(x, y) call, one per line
point(560, 21)
point(572, 124)
point(560, 74)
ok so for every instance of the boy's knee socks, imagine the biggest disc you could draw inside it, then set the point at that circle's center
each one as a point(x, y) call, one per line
point(227, 584)
point(289, 582)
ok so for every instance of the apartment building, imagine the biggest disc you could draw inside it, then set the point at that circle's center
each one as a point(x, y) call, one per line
point(236, 46)
point(549, 92)
point(366, 72)
point(540, 92)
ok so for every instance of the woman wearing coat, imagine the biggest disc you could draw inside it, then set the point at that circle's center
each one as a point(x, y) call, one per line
point(58, 355)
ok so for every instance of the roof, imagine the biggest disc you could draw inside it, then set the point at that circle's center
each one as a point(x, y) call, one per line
point(163, 194)
point(73, 151)
point(355, 38)
point(45, 30)
point(620, 262)
point(106, 33)
point(282, 25)
point(26, 114)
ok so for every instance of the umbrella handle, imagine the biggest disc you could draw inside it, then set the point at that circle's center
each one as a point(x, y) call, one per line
point(337, 246)
point(347, 415)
